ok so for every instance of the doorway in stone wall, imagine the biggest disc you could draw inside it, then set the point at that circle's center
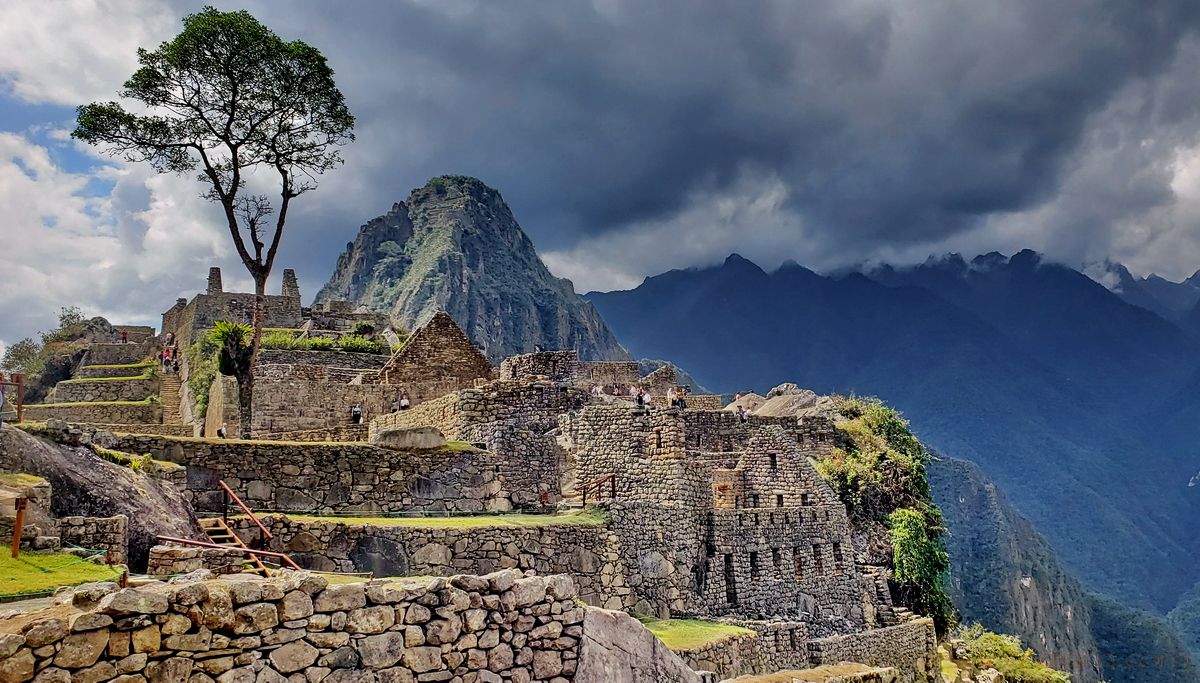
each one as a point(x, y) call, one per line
point(730, 582)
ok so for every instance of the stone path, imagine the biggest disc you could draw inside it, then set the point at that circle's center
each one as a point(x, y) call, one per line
point(168, 394)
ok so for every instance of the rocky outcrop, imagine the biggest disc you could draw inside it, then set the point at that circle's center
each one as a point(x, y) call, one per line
point(454, 245)
point(86, 485)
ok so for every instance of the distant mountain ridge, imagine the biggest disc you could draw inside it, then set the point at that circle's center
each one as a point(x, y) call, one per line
point(1049, 380)
point(454, 245)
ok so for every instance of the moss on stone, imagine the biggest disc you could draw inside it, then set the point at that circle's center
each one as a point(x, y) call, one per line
point(19, 480)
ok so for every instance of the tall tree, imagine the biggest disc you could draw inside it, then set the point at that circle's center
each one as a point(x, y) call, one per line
point(229, 98)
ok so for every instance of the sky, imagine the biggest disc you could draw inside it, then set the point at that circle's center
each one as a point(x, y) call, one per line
point(633, 137)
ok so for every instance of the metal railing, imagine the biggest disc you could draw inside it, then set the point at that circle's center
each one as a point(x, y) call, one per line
point(284, 559)
point(229, 494)
point(597, 485)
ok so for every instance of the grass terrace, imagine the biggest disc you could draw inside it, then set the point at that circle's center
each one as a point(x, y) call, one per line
point(692, 634)
point(34, 573)
point(817, 675)
point(587, 517)
point(80, 380)
point(148, 363)
point(18, 480)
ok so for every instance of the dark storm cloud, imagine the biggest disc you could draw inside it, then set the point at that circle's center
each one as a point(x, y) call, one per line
point(890, 123)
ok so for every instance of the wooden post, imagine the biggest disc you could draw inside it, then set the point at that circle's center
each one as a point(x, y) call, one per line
point(19, 525)
point(19, 378)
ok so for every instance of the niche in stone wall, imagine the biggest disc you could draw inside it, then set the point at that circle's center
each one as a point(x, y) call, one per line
point(753, 565)
point(818, 561)
point(730, 581)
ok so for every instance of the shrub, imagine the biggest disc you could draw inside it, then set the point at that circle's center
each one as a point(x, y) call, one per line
point(319, 343)
point(1005, 654)
point(363, 328)
point(357, 344)
point(280, 340)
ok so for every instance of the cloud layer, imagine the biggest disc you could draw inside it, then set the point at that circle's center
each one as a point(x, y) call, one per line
point(632, 137)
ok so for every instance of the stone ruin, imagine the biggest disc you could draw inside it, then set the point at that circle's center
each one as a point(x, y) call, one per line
point(706, 514)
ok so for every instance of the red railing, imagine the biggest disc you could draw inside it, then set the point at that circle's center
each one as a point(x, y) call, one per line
point(245, 510)
point(597, 485)
point(284, 559)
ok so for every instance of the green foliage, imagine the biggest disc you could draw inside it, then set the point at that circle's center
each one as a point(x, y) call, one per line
point(357, 344)
point(43, 572)
point(71, 325)
point(202, 370)
point(280, 340)
point(320, 344)
point(691, 634)
point(363, 328)
point(1005, 654)
point(920, 565)
point(1139, 646)
point(877, 469)
point(24, 356)
point(233, 342)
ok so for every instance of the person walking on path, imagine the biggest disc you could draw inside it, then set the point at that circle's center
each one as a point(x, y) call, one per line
point(404, 402)
point(124, 337)
point(356, 414)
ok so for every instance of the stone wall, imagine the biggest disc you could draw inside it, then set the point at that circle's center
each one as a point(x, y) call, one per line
point(345, 433)
point(97, 371)
point(169, 560)
point(329, 359)
point(104, 413)
point(703, 402)
point(185, 319)
point(588, 553)
point(109, 534)
point(612, 373)
point(159, 429)
point(910, 647)
point(729, 657)
point(486, 629)
point(89, 390)
point(287, 405)
point(272, 475)
point(118, 353)
point(557, 366)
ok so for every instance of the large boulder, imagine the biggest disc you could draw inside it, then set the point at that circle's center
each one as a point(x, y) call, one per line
point(409, 438)
point(83, 484)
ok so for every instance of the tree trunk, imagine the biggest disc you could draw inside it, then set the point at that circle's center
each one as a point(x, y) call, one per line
point(246, 384)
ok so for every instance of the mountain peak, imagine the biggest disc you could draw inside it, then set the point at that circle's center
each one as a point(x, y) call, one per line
point(454, 245)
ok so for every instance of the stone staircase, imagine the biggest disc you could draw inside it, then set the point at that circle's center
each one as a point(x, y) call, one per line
point(168, 394)
point(219, 532)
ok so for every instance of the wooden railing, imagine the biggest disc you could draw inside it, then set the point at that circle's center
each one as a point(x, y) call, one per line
point(283, 559)
point(598, 486)
point(230, 495)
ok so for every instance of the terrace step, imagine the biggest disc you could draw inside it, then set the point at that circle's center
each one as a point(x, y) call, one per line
point(219, 532)
point(168, 393)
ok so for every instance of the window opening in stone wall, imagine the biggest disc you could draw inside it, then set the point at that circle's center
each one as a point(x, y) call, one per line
point(804, 499)
point(774, 461)
point(753, 565)
point(730, 581)
point(778, 500)
point(827, 515)
point(818, 561)
point(798, 563)
point(777, 560)
point(837, 557)
point(754, 500)
point(658, 439)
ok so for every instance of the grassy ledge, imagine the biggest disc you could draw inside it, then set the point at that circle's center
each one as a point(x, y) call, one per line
point(149, 363)
point(39, 572)
point(18, 480)
point(82, 380)
point(692, 634)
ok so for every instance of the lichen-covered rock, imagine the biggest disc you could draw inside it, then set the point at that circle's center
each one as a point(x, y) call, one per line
point(409, 438)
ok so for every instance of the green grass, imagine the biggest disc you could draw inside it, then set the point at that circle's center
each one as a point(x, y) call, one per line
point(18, 480)
point(589, 517)
point(691, 634)
point(81, 380)
point(40, 572)
point(137, 463)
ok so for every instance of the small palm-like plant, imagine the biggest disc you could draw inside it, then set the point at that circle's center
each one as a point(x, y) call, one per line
point(234, 342)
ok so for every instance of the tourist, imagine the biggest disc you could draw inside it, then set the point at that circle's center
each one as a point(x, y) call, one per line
point(175, 364)
point(743, 414)
point(396, 403)
point(221, 431)
point(646, 399)
point(404, 402)
point(683, 398)
point(356, 414)
point(124, 337)
point(672, 397)
point(638, 398)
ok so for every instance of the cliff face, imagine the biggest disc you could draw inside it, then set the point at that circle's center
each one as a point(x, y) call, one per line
point(1005, 576)
point(454, 245)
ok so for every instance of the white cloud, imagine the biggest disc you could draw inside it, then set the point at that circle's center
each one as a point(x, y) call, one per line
point(126, 255)
point(73, 51)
